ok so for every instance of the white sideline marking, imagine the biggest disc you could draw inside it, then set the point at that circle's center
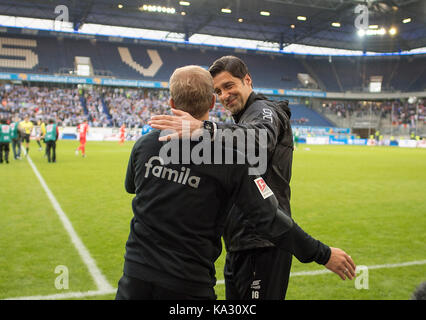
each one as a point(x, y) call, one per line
point(325, 271)
point(70, 295)
point(101, 282)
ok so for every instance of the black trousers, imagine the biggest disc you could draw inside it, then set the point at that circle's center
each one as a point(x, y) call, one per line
point(135, 289)
point(16, 147)
point(4, 146)
point(51, 151)
point(257, 274)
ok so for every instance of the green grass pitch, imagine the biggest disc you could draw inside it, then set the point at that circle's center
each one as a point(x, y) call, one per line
point(369, 201)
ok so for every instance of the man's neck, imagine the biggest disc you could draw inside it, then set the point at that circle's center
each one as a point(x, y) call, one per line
point(249, 101)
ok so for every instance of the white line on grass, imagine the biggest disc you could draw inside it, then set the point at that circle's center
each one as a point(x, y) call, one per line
point(101, 282)
point(325, 271)
point(70, 295)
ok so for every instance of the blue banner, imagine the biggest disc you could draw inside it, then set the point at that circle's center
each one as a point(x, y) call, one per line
point(304, 93)
point(358, 142)
point(334, 140)
point(321, 131)
point(82, 80)
point(134, 83)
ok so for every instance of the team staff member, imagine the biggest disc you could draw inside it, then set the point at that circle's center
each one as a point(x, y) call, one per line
point(179, 212)
point(15, 138)
point(4, 140)
point(252, 263)
point(50, 138)
point(26, 127)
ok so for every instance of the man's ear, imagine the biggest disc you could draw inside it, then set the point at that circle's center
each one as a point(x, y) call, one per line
point(172, 103)
point(213, 102)
point(247, 80)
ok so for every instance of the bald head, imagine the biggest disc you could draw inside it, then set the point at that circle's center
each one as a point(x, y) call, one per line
point(191, 90)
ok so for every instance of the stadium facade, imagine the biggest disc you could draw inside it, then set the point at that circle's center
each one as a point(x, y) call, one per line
point(330, 95)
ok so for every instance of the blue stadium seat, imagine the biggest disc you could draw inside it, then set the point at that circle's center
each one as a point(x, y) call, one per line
point(299, 112)
point(278, 71)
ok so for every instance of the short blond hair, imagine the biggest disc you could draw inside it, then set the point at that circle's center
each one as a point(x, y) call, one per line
point(191, 88)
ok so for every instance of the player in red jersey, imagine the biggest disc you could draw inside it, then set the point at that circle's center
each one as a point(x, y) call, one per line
point(82, 129)
point(122, 133)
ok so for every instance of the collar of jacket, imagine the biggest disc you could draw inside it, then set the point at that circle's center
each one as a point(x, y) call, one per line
point(252, 97)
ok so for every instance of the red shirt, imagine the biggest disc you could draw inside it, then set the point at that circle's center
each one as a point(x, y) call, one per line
point(82, 129)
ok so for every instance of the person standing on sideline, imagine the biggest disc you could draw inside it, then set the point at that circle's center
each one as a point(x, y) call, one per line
point(5, 133)
point(26, 127)
point(50, 138)
point(171, 248)
point(15, 138)
point(122, 133)
point(255, 268)
point(296, 139)
point(82, 130)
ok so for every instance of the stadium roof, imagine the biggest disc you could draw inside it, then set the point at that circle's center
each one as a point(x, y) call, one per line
point(325, 23)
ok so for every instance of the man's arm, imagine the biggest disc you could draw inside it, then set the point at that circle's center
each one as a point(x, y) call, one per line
point(259, 119)
point(261, 208)
point(307, 249)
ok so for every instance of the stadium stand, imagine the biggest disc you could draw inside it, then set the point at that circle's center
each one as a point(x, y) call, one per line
point(111, 107)
point(302, 115)
point(103, 107)
point(157, 62)
point(391, 117)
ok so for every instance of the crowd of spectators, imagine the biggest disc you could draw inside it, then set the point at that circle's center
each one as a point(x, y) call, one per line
point(400, 112)
point(101, 106)
point(112, 107)
point(41, 102)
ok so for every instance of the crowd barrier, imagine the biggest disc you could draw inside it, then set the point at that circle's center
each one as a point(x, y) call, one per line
point(113, 134)
point(332, 140)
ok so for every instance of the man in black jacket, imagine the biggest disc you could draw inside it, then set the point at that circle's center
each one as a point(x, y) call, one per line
point(255, 268)
point(180, 210)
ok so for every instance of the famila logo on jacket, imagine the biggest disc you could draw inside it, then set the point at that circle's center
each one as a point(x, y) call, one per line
point(163, 172)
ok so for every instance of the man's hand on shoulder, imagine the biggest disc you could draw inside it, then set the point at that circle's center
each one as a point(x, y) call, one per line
point(182, 123)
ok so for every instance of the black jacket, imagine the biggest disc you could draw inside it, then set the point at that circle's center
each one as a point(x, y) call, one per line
point(179, 216)
point(274, 117)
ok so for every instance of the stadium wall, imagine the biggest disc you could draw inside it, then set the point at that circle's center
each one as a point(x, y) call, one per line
point(98, 134)
point(308, 135)
point(142, 64)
